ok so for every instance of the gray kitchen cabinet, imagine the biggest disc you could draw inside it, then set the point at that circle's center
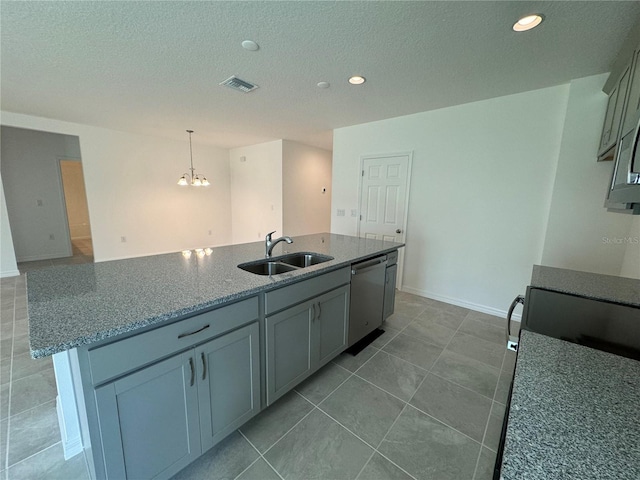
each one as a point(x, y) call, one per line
point(156, 421)
point(149, 420)
point(228, 370)
point(613, 117)
point(633, 98)
point(304, 337)
point(389, 291)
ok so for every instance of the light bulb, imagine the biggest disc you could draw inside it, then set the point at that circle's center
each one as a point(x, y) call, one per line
point(199, 252)
point(186, 253)
point(208, 251)
point(197, 182)
point(205, 182)
point(183, 180)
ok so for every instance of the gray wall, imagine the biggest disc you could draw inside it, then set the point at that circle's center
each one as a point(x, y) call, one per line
point(31, 175)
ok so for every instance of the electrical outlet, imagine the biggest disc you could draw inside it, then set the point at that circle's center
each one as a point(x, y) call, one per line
point(209, 232)
point(39, 202)
point(354, 213)
point(341, 212)
point(51, 236)
point(123, 239)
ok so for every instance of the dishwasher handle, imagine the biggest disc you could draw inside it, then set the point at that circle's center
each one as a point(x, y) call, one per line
point(367, 266)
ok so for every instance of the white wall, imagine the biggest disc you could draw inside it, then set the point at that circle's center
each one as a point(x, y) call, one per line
point(631, 263)
point(132, 190)
point(306, 171)
point(34, 193)
point(8, 267)
point(480, 192)
point(581, 233)
point(256, 191)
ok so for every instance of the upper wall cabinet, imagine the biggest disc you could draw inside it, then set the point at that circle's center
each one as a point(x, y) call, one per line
point(624, 102)
point(633, 97)
point(613, 117)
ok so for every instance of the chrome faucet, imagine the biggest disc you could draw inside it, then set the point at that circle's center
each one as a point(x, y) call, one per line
point(269, 244)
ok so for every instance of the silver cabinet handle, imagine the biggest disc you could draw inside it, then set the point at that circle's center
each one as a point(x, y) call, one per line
point(182, 335)
point(193, 371)
point(204, 366)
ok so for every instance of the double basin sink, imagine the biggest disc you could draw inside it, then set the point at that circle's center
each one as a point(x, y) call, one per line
point(284, 264)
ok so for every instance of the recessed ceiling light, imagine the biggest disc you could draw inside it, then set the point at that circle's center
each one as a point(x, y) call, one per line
point(250, 45)
point(528, 22)
point(323, 85)
point(357, 80)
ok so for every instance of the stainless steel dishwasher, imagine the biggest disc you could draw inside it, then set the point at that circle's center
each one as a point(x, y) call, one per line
point(367, 297)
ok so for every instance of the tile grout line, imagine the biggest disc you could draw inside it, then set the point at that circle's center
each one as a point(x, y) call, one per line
point(375, 450)
point(486, 428)
point(260, 456)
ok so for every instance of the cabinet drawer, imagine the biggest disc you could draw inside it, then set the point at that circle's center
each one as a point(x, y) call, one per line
point(301, 291)
point(117, 358)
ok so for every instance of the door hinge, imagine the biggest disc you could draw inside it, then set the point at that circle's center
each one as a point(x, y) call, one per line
point(360, 217)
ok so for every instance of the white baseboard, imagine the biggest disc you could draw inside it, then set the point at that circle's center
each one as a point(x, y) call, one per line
point(9, 273)
point(70, 446)
point(35, 258)
point(516, 317)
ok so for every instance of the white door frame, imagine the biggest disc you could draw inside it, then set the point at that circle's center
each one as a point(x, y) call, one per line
point(406, 203)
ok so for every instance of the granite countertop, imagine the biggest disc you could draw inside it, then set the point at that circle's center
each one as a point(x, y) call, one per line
point(585, 284)
point(573, 414)
point(78, 305)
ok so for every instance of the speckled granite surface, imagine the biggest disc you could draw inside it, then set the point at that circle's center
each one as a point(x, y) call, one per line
point(77, 305)
point(574, 413)
point(591, 285)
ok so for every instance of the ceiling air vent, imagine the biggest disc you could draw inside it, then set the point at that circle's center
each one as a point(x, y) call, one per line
point(238, 84)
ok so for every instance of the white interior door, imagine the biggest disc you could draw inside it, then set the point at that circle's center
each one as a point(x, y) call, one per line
point(384, 196)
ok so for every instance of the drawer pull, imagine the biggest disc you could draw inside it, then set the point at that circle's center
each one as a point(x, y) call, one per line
point(182, 335)
point(193, 371)
point(204, 366)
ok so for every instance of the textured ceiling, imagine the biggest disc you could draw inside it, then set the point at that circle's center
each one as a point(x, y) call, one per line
point(154, 67)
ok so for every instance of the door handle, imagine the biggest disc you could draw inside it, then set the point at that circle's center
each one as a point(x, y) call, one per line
point(204, 365)
point(193, 371)
point(398, 231)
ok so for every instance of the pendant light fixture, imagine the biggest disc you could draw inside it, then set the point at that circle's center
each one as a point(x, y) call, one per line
point(195, 179)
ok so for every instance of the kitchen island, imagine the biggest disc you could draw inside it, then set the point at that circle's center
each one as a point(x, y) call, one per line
point(166, 355)
point(573, 413)
point(78, 305)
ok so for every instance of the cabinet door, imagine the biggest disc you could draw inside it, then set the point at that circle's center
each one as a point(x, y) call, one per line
point(390, 291)
point(613, 117)
point(633, 102)
point(330, 325)
point(228, 383)
point(288, 345)
point(149, 420)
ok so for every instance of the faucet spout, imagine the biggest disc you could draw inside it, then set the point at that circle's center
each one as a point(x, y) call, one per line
point(269, 243)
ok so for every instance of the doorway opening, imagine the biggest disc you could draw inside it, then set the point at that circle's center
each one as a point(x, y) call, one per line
point(75, 198)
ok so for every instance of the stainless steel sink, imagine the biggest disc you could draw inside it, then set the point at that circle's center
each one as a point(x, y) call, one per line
point(266, 267)
point(284, 264)
point(304, 259)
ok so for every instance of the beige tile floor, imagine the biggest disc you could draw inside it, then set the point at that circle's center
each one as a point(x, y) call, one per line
point(424, 401)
